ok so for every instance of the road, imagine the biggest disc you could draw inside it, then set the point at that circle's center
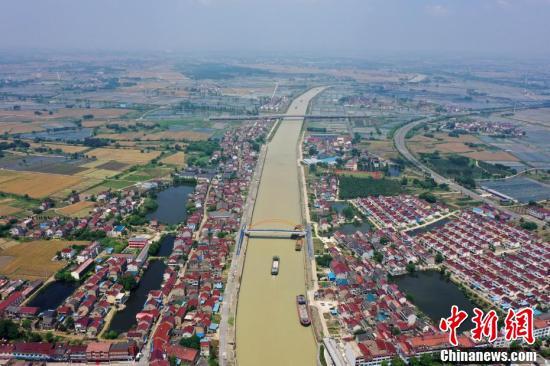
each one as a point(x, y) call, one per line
point(399, 140)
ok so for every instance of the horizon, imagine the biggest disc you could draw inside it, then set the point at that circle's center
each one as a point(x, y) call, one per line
point(350, 28)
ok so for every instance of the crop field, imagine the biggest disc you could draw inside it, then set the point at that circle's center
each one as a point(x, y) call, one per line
point(175, 159)
point(79, 209)
point(157, 136)
point(69, 149)
point(42, 163)
point(98, 174)
point(33, 260)
point(19, 127)
point(29, 115)
point(126, 156)
point(6, 208)
point(383, 148)
point(146, 173)
point(540, 115)
point(466, 145)
point(36, 185)
point(491, 156)
point(113, 165)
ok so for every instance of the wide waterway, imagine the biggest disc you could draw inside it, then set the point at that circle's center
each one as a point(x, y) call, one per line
point(268, 329)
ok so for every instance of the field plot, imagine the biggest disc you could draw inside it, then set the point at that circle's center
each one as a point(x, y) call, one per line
point(467, 145)
point(539, 115)
point(79, 209)
point(69, 149)
point(113, 165)
point(383, 148)
point(521, 189)
point(6, 209)
point(29, 115)
point(157, 136)
point(42, 163)
point(126, 156)
point(491, 156)
point(36, 185)
point(96, 173)
point(175, 159)
point(19, 127)
point(33, 260)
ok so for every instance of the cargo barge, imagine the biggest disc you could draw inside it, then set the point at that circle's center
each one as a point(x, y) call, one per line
point(275, 266)
point(303, 311)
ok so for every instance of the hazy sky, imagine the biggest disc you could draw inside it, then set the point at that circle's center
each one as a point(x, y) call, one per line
point(349, 27)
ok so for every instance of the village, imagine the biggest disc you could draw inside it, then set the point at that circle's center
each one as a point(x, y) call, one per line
point(366, 243)
point(186, 305)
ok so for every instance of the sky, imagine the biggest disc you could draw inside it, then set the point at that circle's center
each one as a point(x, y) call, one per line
point(323, 27)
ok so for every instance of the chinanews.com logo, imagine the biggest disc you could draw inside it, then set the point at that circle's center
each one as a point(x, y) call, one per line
point(518, 326)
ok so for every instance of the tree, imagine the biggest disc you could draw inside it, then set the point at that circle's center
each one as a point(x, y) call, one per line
point(428, 196)
point(397, 361)
point(112, 334)
point(50, 337)
point(411, 267)
point(439, 258)
point(26, 324)
point(191, 342)
point(128, 282)
point(8, 329)
point(348, 213)
point(529, 225)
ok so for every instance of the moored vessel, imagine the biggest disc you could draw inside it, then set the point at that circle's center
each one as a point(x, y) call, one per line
point(303, 311)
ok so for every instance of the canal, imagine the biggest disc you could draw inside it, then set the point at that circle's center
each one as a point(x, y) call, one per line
point(268, 328)
point(172, 204)
point(434, 295)
point(53, 295)
point(151, 280)
point(166, 246)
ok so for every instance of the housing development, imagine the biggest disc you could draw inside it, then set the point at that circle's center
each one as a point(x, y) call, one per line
point(170, 208)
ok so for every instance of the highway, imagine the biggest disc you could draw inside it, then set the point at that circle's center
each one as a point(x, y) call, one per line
point(399, 140)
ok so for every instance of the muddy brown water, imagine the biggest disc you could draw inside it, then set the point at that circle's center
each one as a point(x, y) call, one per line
point(268, 328)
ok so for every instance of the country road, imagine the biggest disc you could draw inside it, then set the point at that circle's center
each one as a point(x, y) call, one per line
point(399, 140)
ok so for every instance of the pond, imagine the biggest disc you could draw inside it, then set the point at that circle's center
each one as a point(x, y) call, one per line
point(53, 295)
point(151, 280)
point(434, 295)
point(166, 246)
point(349, 229)
point(172, 204)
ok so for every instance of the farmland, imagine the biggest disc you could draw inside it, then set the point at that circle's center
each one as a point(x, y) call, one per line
point(175, 159)
point(32, 260)
point(466, 145)
point(126, 156)
point(79, 209)
point(35, 185)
